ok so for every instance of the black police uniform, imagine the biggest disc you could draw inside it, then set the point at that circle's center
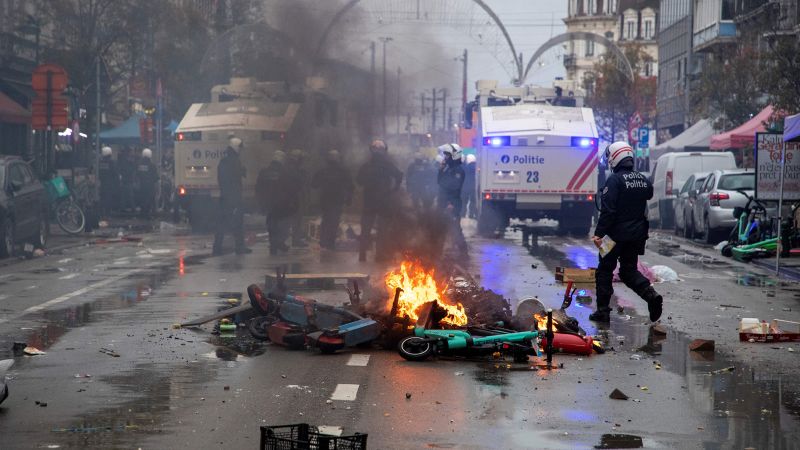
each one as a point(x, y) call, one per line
point(109, 184)
point(451, 182)
point(278, 192)
point(623, 219)
point(335, 185)
point(229, 176)
point(417, 176)
point(380, 179)
point(147, 177)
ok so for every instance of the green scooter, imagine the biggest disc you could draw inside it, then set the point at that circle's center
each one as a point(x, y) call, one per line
point(750, 236)
point(425, 342)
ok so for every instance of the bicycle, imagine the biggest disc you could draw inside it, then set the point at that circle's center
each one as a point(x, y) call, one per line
point(69, 215)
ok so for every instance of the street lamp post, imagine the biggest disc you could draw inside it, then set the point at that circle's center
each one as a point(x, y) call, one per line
point(384, 40)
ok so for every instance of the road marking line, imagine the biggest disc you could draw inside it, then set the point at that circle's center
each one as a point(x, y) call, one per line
point(72, 294)
point(6, 275)
point(358, 360)
point(3, 297)
point(69, 276)
point(345, 392)
point(330, 430)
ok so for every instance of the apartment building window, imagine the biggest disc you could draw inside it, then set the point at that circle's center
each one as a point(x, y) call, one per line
point(630, 29)
point(589, 47)
point(648, 69)
point(590, 7)
point(648, 29)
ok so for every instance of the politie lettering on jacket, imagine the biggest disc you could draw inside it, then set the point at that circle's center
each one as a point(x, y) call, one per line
point(634, 180)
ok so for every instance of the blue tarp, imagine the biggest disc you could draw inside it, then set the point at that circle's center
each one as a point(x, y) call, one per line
point(126, 133)
point(791, 128)
point(171, 127)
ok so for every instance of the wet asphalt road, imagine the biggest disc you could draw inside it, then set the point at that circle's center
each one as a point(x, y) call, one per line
point(185, 388)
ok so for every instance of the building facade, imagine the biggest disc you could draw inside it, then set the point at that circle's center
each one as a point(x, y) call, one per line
point(675, 65)
point(592, 16)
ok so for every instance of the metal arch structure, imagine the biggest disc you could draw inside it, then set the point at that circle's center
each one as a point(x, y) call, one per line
point(352, 3)
point(623, 64)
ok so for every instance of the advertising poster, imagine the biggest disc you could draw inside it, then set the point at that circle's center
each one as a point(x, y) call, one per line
point(768, 168)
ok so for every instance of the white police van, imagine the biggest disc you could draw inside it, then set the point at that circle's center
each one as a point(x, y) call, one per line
point(535, 160)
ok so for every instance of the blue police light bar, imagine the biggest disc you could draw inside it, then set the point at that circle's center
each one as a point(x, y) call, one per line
point(497, 141)
point(583, 142)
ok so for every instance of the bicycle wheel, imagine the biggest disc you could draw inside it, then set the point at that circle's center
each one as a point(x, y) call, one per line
point(70, 216)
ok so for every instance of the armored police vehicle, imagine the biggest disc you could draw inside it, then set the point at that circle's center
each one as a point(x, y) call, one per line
point(537, 156)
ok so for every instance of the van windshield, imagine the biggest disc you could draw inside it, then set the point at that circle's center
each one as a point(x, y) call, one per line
point(746, 181)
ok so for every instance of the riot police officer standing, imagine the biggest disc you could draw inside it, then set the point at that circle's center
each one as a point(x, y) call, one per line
point(229, 176)
point(623, 220)
point(451, 182)
point(109, 182)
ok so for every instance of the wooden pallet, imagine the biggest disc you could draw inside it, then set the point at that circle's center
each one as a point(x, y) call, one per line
point(316, 281)
point(566, 274)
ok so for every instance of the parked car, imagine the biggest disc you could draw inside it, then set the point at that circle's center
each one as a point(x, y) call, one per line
point(24, 209)
point(712, 213)
point(684, 203)
point(670, 173)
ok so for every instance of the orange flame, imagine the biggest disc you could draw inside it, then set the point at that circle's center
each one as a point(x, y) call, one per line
point(419, 287)
point(541, 322)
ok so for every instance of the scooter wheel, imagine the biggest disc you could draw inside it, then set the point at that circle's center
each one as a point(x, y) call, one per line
point(258, 327)
point(414, 348)
point(727, 250)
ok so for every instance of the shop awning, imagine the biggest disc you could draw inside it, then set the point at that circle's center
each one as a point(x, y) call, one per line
point(13, 112)
point(696, 137)
point(744, 135)
point(126, 133)
point(791, 128)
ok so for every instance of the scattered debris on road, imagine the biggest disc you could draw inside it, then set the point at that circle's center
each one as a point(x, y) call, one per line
point(702, 345)
point(33, 351)
point(616, 394)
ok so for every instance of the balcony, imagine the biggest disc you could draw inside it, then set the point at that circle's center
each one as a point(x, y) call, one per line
point(719, 33)
point(570, 61)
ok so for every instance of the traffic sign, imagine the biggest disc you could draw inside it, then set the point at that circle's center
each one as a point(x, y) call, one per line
point(56, 74)
point(643, 140)
point(59, 113)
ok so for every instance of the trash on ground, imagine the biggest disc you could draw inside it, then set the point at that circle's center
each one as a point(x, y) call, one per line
point(664, 274)
point(723, 370)
point(567, 274)
point(109, 352)
point(620, 441)
point(644, 269)
point(33, 351)
point(658, 330)
point(755, 330)
point(702, 345)
point(616, 394)
point(304, 435)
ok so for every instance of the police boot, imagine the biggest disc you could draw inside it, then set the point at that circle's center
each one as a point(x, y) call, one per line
point(601, 315)
point(654, 302)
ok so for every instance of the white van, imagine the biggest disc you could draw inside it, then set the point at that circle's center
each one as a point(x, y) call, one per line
point(671, 172)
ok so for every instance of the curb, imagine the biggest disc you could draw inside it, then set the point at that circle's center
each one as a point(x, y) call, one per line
point(784, 271)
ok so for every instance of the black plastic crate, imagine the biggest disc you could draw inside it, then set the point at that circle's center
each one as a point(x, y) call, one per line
point(303, 436)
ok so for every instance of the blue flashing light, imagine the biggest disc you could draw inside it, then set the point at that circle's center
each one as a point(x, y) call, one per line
point(497, 141)
point(582, 292)
point(584, 142)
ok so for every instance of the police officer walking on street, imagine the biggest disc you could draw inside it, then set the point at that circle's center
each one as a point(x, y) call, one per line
point(622, 219)
point(147, 178)
point(229, 176)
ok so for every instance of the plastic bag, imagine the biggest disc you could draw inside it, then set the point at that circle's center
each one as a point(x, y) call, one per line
point(664, 273)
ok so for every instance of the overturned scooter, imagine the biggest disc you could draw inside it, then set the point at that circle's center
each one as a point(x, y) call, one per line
point(296, 322)
point(4, 366)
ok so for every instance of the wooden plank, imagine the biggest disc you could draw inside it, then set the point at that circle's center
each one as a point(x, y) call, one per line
point(566, 274)
point(320, 276)
point(219, 315)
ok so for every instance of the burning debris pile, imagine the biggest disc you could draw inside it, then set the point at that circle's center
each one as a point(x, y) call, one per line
point(414, 292)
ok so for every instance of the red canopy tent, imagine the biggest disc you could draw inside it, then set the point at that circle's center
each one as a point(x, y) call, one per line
point(744, 135)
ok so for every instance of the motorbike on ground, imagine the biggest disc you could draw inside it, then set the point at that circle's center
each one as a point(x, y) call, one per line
point(751, 237)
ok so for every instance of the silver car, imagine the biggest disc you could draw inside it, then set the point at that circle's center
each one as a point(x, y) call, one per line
point(684, 203)
point(712, 214)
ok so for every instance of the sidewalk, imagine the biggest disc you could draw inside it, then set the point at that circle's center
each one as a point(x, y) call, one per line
point(789, 268)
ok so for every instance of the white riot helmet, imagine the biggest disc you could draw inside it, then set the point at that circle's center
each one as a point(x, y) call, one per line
point(617, 152)
point(147, 153)
point(106, 151)
point(470, 158)
point(453, 149)
point(235, 142)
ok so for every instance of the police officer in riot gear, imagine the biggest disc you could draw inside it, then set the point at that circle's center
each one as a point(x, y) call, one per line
point(147, 178)
point(229, 176)
point(109, 182)
point(622, 218)
point(380, 180)
point(451, 182)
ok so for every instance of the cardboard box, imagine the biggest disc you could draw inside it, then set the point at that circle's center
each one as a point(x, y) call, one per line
point(776, 331)
point(567, 274)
